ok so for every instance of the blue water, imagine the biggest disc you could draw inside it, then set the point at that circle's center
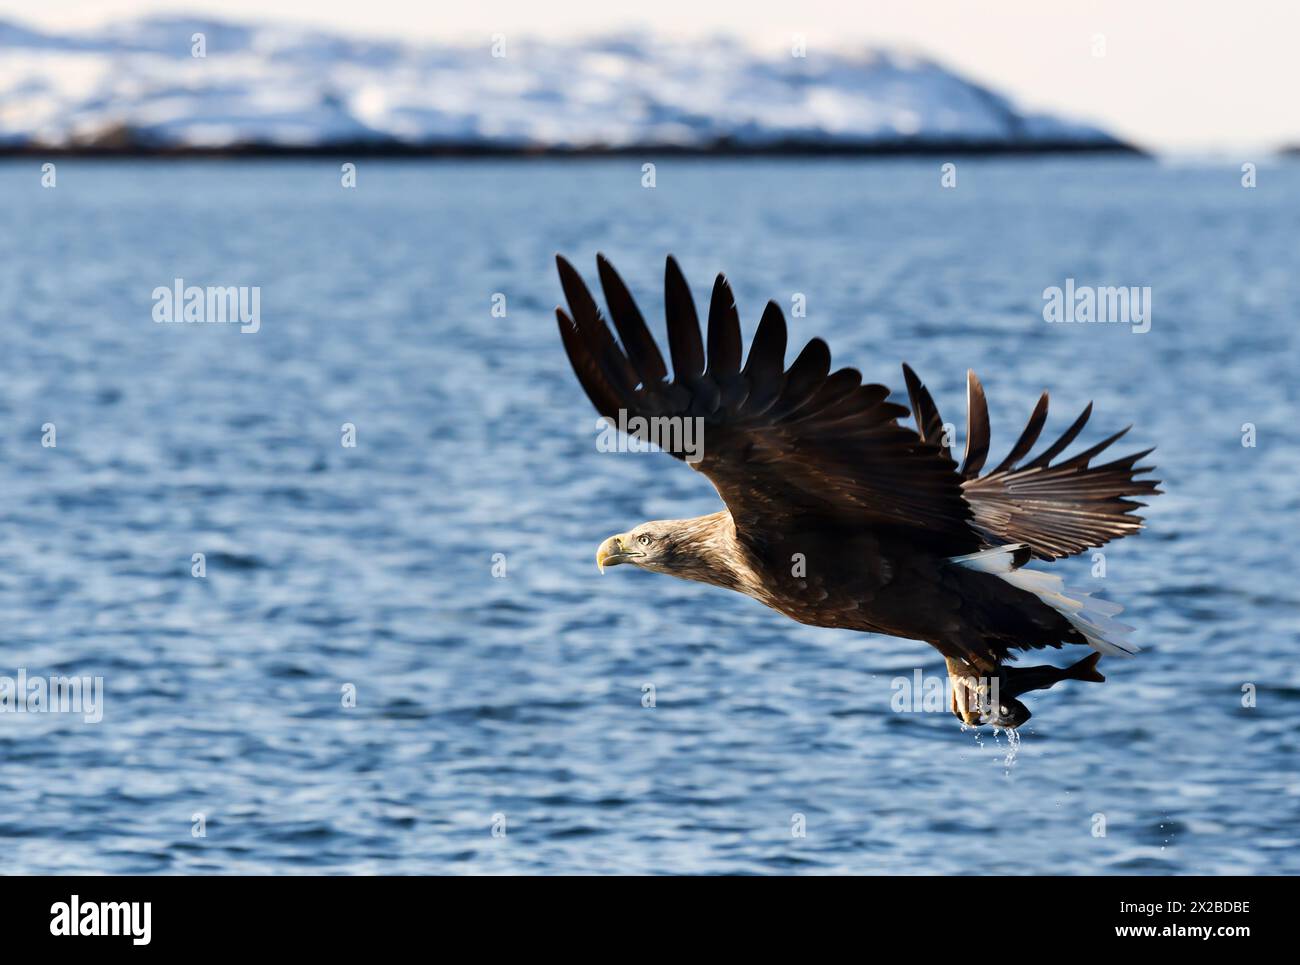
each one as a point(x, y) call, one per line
point(517, 700)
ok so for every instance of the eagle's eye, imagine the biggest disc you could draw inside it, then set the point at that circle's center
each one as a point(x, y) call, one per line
point(643, 540)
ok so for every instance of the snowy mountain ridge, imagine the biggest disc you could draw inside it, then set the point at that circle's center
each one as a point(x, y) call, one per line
point(139, 83)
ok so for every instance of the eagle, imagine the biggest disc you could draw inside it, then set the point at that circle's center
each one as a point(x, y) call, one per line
point(836, 514)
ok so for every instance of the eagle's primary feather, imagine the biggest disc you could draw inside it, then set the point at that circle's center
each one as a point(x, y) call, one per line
point(837, 515)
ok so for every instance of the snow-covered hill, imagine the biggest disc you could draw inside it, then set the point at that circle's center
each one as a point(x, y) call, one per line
point(137, 83)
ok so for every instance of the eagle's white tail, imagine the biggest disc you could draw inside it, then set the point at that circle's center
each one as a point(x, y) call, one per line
point(1091, 617)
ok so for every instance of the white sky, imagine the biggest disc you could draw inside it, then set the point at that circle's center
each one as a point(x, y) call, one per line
point(1185, 75)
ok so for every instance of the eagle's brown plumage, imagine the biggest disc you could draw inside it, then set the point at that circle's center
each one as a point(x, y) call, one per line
point(1058, 510)
point(837, 515)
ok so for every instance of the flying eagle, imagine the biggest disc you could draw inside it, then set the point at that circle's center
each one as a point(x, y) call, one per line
point(838, 516)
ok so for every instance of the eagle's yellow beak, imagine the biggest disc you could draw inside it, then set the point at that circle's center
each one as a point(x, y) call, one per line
point(612, 552)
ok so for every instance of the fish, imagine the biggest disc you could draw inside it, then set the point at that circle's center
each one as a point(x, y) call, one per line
point(973, 698)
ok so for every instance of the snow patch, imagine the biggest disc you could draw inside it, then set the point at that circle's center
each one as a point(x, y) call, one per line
point(285, 84)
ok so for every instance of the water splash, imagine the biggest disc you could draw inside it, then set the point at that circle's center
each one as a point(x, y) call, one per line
point(1013, 745)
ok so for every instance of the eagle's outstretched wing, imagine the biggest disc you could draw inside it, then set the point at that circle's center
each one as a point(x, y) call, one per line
point(784, 447)
point(1057, 509)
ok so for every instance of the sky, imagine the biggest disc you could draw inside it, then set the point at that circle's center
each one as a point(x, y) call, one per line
point(1196, 76)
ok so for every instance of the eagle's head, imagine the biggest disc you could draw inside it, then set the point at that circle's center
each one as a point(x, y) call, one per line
point(699, 549)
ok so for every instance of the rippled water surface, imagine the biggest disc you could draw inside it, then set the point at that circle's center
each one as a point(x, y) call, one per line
point(519, 699)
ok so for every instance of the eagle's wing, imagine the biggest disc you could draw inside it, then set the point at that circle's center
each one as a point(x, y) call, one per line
point(784, 447)
point(1057, 509)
